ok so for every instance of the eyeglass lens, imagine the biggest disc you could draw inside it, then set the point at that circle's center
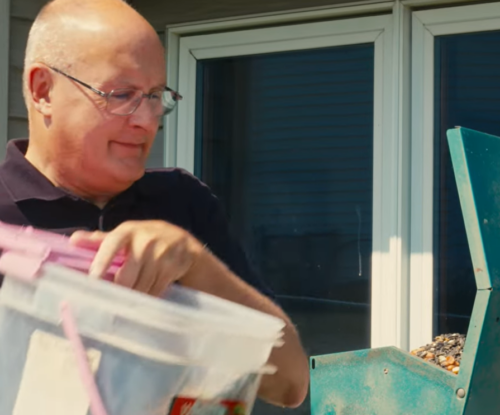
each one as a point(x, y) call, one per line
point(126, 101)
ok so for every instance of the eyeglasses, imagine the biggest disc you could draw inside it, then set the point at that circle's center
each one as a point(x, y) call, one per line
point(125, 101)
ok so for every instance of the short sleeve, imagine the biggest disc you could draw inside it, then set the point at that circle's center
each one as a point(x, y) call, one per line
point(211, 226)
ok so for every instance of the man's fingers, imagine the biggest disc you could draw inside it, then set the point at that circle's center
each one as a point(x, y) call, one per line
point(159, 287)
point(174, 265)
point(110, 246)
point(154, 258)
point(85, 239)
point(148, 271)
point(166, 277)
point(128, 274)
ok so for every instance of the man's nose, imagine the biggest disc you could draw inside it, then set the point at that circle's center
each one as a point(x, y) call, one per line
point(145, 116)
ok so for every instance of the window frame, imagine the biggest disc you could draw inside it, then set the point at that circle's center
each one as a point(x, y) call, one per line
point(389, 307)
point(426, 25)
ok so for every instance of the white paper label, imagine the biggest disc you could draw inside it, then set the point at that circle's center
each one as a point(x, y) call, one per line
point(51, 382)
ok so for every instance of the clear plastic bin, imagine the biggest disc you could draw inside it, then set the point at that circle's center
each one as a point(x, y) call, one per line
point(149, 350)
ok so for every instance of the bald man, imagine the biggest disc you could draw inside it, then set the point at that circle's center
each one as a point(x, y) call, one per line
point(94, 84)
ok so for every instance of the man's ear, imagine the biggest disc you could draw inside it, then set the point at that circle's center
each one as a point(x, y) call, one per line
point(40, 84)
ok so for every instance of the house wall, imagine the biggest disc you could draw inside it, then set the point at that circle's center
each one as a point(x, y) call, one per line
point(22, 14)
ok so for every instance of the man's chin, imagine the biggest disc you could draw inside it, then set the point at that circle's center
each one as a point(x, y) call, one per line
point(129, 170)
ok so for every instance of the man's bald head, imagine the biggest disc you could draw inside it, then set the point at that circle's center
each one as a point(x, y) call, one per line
point(67, 33)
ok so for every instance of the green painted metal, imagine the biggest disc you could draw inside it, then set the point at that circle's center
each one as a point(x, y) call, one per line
point(379, 381)
point(390, 381)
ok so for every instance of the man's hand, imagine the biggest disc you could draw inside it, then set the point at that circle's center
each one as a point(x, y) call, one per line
point(157, 254)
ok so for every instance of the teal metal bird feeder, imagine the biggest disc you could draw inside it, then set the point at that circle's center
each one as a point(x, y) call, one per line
point(390, 381)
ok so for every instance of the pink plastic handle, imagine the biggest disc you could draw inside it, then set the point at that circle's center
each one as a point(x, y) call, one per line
point(86, 375)
point(50, 247)
point(20, 266)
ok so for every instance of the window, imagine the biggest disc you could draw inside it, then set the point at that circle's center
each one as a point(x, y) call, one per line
point(289, 125)
point(455, 83)
point(467, 68)
point(286, 141)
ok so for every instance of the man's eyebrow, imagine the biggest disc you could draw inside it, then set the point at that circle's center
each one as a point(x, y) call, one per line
point(125, 83)
point(163, 85)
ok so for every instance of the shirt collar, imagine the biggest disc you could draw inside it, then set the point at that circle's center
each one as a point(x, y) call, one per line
point(22, 180)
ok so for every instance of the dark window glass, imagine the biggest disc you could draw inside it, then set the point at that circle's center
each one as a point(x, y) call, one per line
point(286, 141)
point(467, 69)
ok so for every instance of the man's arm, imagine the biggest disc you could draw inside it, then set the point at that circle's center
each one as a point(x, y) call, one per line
point(229, 274)
point(289, 386)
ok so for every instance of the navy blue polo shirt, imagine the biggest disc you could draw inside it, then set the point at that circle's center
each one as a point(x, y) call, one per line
point(28, 198)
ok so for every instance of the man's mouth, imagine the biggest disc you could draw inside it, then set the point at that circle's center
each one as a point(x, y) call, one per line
point(127, 149)
point(128, 145)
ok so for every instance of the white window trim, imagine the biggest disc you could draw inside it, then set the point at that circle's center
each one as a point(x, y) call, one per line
point(399, 255)
point(426, 25)
point(391, 144)
point(4, 74)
